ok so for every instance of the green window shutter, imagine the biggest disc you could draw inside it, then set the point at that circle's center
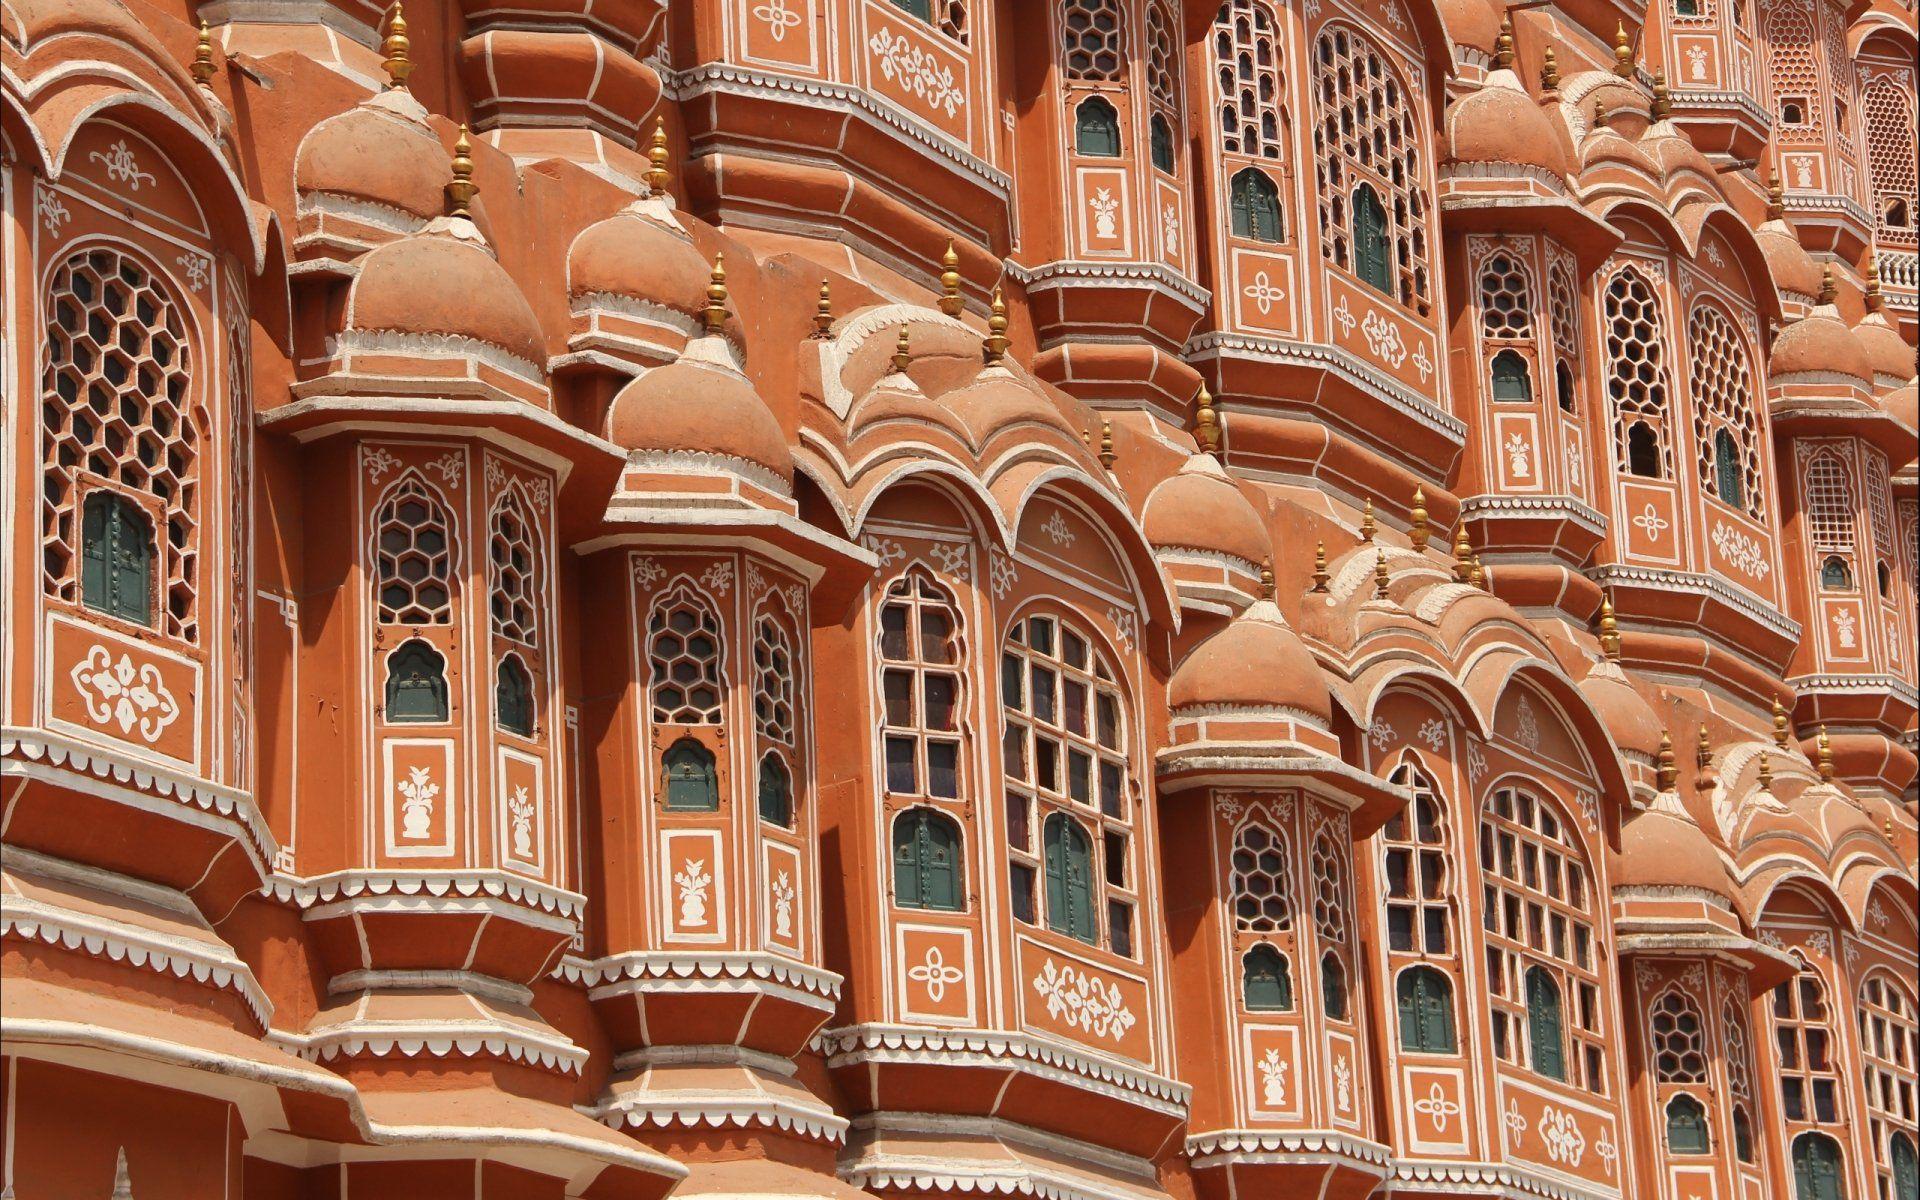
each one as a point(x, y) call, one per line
point(906, 860)
point(1510, 381)
point(1372, 261)
point(1906, 1168)
point(693, 783)
point(1686, 1126)
point(1816, 1168)
point(116, 558)
point(513, 697)
point(776, 791)
point(416, 684)
point(1265, 983)
point(1425, 1001)
point(1728, 481)
point(940, 863)
point(1056, 867)
point(1543, 1025)
point(95, 590)
point(1408, 1006)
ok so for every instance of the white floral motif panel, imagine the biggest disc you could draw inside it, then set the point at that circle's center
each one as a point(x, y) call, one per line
point(1561, 1133)
point(1082, 1002)
point(1383, 339)
point(1742, 549)
point(121, 693)
point(922, 75)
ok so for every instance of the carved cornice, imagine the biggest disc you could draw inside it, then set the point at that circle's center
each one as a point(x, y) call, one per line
point(687, 970)
point(476, 884)
point(865, 1045)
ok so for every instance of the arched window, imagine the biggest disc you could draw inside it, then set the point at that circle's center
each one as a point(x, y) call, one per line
point(1543, 961)
point(513, 696)
point(1069, 860)
point(1368, 156)
point(513, 606)
point(1424, 1001)
point(1564, 316)
point(776, 791)
point(1266, 982)
point(1687, 1126)
point(1563, 386)
point(1372, 260)
point(1511, 383)
point(1723, 412)
point(416, 684)
point(413, 556)
point(920, 687)
point(926, 861)
point(1679, 1040)
point(1506, 299)
point(1890, 1054)
point(1733, 1031)
point(1254, 202)
point(116, 558)
point(1095, 50)
point(1065, 752)
point(1742, 1134)
point(773, 670)
point(1333, 986)
point(1832, 520)
point(1818, 1173)
point(1883, 574)
point(683, 649)
point(116, 402)
point(1637, 374)
point(1544, 1026)
point(1788, 34)
point(1249, 90)
point(1809, 1078)
point(1163, 60)
point(1888, 111)
point(1419, 911)
point(1330, 902)
point(692, 779)
point(1160, 130)
point(1096, 129)
point(1836, 575)
point(1262, 880)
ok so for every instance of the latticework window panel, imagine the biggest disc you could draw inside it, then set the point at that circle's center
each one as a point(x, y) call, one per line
point(683, 650)
point(1792, 66)
point(1679, 1039)
point(1890, 1049)
point(1417, 851)
point(952, 19)
point(773, 668)
point(1562, 308)
point(1329, 891)
point(1095, 50)
point(115, 403)
point(1890, 160)
point(1506, 299)
point(1831, 511)
point(1733, 1031)
point(514, 600)
point(1163, 59)
point(1880, 507)
point(1637, 371)
point(1365, 132)
point(1808, 1052)
point(413, 556)
point(1262, 880)
point(1722, 377)
point(1246, 52)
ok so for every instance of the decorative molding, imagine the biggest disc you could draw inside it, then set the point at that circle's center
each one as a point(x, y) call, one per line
point(867, 1044)
point(431, 885)
point(684, 968)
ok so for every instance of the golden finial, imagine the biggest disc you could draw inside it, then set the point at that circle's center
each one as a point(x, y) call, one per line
point(995, 346)
point(715, 314)
point(1266, 581)
point(1766, 772)
point(1668, 773)
point(1622, 51)
point(1550, 72)
point(1824, 747)
point(1599, 116)
point(394, 47)
point(1609, 631)
point(901, 357)
point(1107, 456)
point(1702, 750)
point(950, 301)
point(1776, 198)
point(657, 156)
point(1829, 290)
point(1503, 46)
point(1366, 521)
point(462, 190)
point(1462, 552)
point(1380, 575)
point(1781, 730)
point(1320, 575)
point(1479, 574)
point(1206, 422)
point(823, 311)
point(1662, 98)
point(1874, 300)
point(203, 56)
point(1419, 533)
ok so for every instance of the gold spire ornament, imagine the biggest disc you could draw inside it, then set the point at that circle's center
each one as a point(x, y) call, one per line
point(394, 49)
point(1503, 45)
point(1462, 553)
point(1366, 521)
point(462, 190)
point(1206, 422)
point(1419, 532)
point(901, 355)
point(994, 348)
point(1702, 750)
point(1662, 98)
point(1550, 72)
point(1622, 51)
point(1824, 747)
point(823, 311)
point(203, 56)
point(657, 158)
point(1380, 575)
point(1266, 581)
point(1875, 301)
point(1766, 772)
point(1776, 198)
point(1107, 456)
point(1320, 575)
point(714, 316)
point(1782, 732)
point(1668, 774)
point(1829, 290)
point(950, 301)
point(1479, 579)
point(1609, 631)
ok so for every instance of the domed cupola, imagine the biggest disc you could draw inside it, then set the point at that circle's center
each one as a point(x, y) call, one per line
point(1890, 355)
point(1615, 115)
point(1474, 26)
point(1203, 529)
point(1253, 683)
point(1500, 127)
point(1671, 150)
point(1817, 356)
point(1662, 852)
point(1794, 271)
point(1628, 718)
point(371, 174)
point(636, 282)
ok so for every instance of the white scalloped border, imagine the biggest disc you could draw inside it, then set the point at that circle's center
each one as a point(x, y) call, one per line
point(770, 1113)
point(866, 1043)
point(641, 965)
point(440, 1040)
point(324, 889)
point(1230, 1144)
point(1425, 1176)
point(1011, 1181)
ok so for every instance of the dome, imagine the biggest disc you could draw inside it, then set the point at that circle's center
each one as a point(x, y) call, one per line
point(1500, 123)
point(699, 404)
point(1199, 508)
point(1628, 718)
point(1661, 849)
point(1885, 349)
point(1903, 404)
point(638, 253)
point(1255, 662)
point(1819, 343)
point(381, 152)
point(1473, 23)
point(996, 400)
point(427, 284)
point(1793, 268)
point(1604, 146)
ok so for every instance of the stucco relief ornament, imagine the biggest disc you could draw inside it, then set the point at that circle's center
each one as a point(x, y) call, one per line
point(1344, 316)
point(1843, 628)
point(53, 211)
point(377, 460)
point(1104, 206)
point(1229, 807)
point(520, 813)
point(1646, 975)
point(756, 582)
point(1516, 1124)
point(778, 16)
point(1589, 810)
point(1437, 1107)
point(783, 906)
point(1273, 1079)
point(121, 166)
point(1713, 248)
point(450, 467)
point(1422, 361)
point(693, 882)
point(1607, 1151)
point(718, 577)
point(1170, 229)
point(198, 269)
point(1877, 914)
point(1695, 977)
point(920, 73)
point(886, 550)
point(1124, 629)
point(1263, 292)
point(1519, 457)
point(1433, 731)
point(417, 793)
point(648, 571)
point(1476, 761)
point(1342, 1085)
point(1383, 339)
point(1057, 530)
point(1001, 573)
point(953, 559)
point(135, 698)
point(1561, 1132)
point(1821, 943)
point(1083, 1002)
point(1651, 522)
point(1527, 725)
point(935, 974)
point(1742, 549)
point(1769, 938)
point(1381, 733)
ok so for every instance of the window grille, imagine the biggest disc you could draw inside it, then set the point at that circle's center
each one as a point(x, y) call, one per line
point(1417, 853)
point(1506, 299)
point(1367, 143)
point(514, 604)
point(773, 669)
point(1637, 375)
point(920, 652)
point(1250, 89)
point(1163, 59)
point(1724, 423)
point(1679, 1039)
point(1830, 502)
point(1095, 47)
point(1809, 1076)
point(1789, 36)
point(413, 556)
point(683, 650)
point(1889, 109)
point(1890, 1054)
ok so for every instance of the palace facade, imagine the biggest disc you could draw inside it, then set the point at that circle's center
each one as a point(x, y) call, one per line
point(1091, 600)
